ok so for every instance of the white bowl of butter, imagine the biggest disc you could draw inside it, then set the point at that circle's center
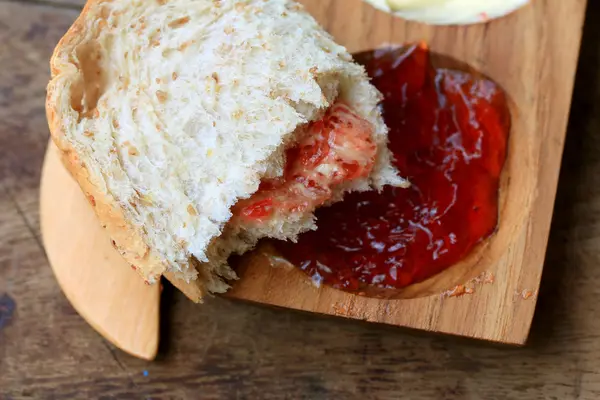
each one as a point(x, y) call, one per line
point(449, 12)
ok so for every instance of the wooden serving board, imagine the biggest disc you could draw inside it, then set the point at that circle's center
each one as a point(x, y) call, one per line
point(94, 277)
point(533, 55)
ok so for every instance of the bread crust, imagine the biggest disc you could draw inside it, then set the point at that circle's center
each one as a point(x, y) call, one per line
point(127, 239)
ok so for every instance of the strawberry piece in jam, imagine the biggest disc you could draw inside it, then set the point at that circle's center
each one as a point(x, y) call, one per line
point(338, 148)
point(259, 209)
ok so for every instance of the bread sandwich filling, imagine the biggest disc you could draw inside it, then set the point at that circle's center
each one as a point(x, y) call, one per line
point(336, 149)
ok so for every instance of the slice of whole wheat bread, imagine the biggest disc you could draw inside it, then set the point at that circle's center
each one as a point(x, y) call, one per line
point(168, 112)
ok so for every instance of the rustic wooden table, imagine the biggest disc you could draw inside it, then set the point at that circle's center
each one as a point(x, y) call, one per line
point(229, 349)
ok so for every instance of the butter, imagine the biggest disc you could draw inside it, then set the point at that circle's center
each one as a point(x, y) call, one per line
point(449, 12)
point(399, 5)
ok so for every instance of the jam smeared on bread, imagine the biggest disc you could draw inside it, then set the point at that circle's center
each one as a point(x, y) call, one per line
point(336, 149)
point(448, 133)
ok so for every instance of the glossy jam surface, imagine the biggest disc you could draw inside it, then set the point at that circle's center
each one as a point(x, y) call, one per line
point(338, 148)
point(448, 132)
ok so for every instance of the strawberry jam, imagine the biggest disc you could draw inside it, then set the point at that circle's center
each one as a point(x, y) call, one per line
point(448, 133)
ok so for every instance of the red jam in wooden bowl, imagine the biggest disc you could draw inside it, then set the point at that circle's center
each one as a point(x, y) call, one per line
point(448, 133)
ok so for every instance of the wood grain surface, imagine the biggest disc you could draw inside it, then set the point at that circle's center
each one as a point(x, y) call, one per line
point(228, 349)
